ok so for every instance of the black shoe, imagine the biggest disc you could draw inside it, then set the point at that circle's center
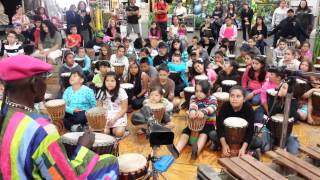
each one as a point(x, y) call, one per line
point(194, 153)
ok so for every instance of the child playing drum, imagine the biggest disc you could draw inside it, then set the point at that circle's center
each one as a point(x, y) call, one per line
point(202, 105)
point(156, 96)
point(236, 107)
point(307, 109)
point(115, 101)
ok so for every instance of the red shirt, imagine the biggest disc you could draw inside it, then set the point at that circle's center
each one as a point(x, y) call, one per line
point(36, 36)
point(73, 38)
point(161, 6)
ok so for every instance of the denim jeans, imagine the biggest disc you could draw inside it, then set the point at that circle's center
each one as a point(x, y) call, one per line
point(292, 143)
point(255, 100)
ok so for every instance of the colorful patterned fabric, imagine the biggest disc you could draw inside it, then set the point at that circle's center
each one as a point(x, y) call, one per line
point(207, 105)
point(31, 149)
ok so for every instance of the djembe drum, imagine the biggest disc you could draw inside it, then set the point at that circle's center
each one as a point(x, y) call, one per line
point(132, 166)
point(200, 78)
point(315, 98)
point(241, 71)
point(276, 127)
point(242, 65)
point(318, 60)
point(65, 79)
point(300, 88)
point(80, 61)
point(232, 57)
point(222, 97)
point(56, 109)
point(158, 110)
point(227, 85)
point(119, 68)
point(188, 92)
point(103, 144)
point(175, 76)
point(271, 96)
point(128, 88)
point(235, 131)
point(195, 125)
point(96, 118)
point(317, 67)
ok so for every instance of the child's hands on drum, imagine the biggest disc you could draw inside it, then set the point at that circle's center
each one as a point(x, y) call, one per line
point(192, 114)
point(87, 139)
point(242, 152)
point(200, 115)
point(226, 150)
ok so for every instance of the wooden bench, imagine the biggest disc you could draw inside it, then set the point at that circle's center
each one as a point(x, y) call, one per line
point(312, 151)
point(246, 167)
point(294, 163)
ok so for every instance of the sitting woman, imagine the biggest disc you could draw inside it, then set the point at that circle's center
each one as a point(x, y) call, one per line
point(235, 107)
point(79, 99)
point(202, 105)
point(140, 82)
point(115, 100)
point(229, 72)
point(176, 66)
point(155, 97)
point(253, 78)
point(199, 68)
point(50, 42)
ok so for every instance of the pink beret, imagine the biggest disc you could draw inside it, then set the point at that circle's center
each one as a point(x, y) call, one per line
point(22, 66)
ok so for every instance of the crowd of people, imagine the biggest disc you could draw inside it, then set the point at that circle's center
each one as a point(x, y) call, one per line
point(159, 67)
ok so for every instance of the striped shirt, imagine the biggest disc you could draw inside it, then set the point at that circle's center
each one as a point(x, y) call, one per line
point(207, 105)
point(13, 50)
point(31, 148)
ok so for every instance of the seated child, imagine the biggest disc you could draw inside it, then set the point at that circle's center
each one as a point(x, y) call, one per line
point(12, 47)
point(73, 39)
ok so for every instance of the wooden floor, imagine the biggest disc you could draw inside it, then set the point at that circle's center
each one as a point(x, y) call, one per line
point(184, 167)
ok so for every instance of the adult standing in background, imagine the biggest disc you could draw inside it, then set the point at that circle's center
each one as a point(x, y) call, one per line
point(279, 14)
point(180, 11)
point(83, 22)
point(42, 12)
point(21, 18)
point(246, 18)
point(133, 18)
point(161, 10)
point(71, 16)
point(304, 16)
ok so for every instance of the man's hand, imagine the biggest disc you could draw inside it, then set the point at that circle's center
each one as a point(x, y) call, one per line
point(87, 139)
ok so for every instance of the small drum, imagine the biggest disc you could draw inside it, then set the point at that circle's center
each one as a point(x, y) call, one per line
point(317, 67)
point(80, 61)
point(103, 144)
point(94, 65)
point(201, 78)
point(158, 110)
point(241, 71)
point(232, 57)
point(276, 127)
point(132, 166)
point(195, 125)
point(222, 97)
point(242, 65)
point(318, 60)
point(56, 109)
point(128, 88)
point(301, 87)
point(316, 104)
point(175, 76)
point(118, 68)
point(214, 66)
point(235, 131)
point(227, 85)
point(96, 118)
point(188, 92)
point(65, 79)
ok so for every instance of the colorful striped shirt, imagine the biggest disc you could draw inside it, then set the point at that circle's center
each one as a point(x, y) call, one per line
point(31, 148)
point(207, 105)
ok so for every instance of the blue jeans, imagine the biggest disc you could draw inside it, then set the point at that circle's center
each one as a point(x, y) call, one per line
point(255, 100)
point(258, 115)
point(292, 144)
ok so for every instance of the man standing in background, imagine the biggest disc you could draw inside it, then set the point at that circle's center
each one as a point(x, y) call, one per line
point(133, 18)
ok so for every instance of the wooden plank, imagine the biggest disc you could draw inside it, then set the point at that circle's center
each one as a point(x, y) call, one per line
point(263, 168)
point(291, 165)
point(315, 148)
point(299, 161)
point(310, 152)
point(249, 169)
point(234, 169)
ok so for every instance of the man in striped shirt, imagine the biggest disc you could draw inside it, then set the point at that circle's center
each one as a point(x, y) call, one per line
point(12, 47)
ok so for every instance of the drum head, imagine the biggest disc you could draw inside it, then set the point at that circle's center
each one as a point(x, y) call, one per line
point(100, 139)
point(201, 77)
point(126, 86)
point(235, 122)
point(131, 162)
point(189, 89)
point(214, 66)
point(279, 118)
point(118, 64)
point(96, 111)
point(316, 65)
point(229, 82)
point(155, 106)
point(55, 102)
point(67, 74)
point(300, 81)
point(223, 96)
point(272, 92)
point(316, 93)
point(241, 69)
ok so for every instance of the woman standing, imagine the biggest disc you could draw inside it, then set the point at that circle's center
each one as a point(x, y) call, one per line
point(83, 22)
point(21, 18)
point(206, 35)
point(113, 30)
point(246, 18)
point(259, 33)
point(42, 12)
point(231, 13)
point(304, 16)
